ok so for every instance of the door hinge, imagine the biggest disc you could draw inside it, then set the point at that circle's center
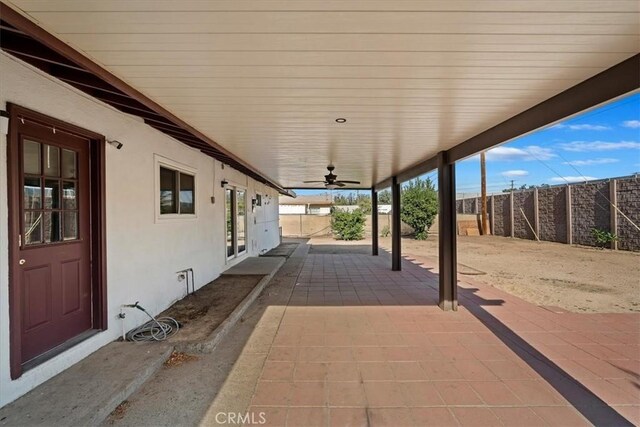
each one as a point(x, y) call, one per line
point(19, 240)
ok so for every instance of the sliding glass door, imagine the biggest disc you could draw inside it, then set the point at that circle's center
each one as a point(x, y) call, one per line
point(229, 208)
point(236, 221)
point(241, 221)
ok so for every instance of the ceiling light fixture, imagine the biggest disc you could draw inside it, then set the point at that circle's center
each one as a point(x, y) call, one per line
point(341, 120)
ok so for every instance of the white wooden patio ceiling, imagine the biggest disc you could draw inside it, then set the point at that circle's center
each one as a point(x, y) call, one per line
point(266, 79)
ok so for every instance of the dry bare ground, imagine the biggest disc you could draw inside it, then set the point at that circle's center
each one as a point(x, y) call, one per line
point(579, 279)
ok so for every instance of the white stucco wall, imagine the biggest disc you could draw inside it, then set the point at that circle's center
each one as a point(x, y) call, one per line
point(143, 254)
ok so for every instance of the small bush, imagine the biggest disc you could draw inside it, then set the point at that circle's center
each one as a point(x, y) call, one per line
point(603, 238)
point(385, 232)
point(348, 225)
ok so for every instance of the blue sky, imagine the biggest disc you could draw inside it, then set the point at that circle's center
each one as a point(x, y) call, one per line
point(600, 143)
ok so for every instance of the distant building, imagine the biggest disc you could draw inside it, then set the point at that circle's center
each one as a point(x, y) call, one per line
point(318, 204)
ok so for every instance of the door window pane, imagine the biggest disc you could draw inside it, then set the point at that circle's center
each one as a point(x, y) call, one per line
point(32, 193)
point(51, 227)
point(168, 191)
point(32, 228)
point(31, 157)
point(69, 195)
point(68, 163)
point(241, 220)
point(186, 194)
point(51, 160)
point(70, 225)
point(51, 194)
point(229, 221)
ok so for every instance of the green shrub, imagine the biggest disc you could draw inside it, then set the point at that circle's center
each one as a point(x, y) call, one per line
point(419, 206)
point(348, 225)
point(603, 238)
point(385, 232)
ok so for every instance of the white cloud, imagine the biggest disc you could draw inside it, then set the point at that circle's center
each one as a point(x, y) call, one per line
point(572, 178)
point(582, 146)
point(584, 126)
point(591, 162)
point(474, 158)
point(515, 173)
point(508, 154)
point(633, 124)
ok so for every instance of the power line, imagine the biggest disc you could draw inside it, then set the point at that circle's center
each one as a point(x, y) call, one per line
point(597, 189)
point(601, 193)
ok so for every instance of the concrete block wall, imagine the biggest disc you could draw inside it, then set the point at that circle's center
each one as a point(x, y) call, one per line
point(552, 214)
point(589, 209)
point(470, 206)
point(502, 220)
point(590, 206)
point(628, 201)
point(297, 225)
point(523, 202)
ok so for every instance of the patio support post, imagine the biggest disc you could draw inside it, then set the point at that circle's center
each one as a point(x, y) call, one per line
point(374, 222)
point(395, 225)
point(447, 259)
point(569, 215)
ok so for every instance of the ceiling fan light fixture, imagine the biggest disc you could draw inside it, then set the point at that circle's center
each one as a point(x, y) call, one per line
point(341, 120)
point(331, 186)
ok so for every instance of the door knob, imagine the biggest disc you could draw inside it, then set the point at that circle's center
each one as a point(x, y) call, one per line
point(22, 261)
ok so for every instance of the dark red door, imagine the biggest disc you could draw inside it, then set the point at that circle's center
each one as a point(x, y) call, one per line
point(53, 271)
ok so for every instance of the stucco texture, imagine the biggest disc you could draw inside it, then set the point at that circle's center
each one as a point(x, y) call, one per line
point(144, 252)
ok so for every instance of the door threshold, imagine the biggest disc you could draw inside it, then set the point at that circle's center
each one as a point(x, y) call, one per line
point(50, 354)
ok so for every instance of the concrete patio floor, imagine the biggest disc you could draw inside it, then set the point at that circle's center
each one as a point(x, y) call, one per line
point(359, 344)
point(337, 338)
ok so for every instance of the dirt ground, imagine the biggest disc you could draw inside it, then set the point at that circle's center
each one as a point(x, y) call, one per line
point(210, 305)
point(575, 278)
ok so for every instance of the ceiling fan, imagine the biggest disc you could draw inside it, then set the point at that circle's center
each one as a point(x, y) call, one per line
point(331, 181)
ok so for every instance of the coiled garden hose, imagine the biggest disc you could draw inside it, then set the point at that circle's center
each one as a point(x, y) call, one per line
point(154, 330)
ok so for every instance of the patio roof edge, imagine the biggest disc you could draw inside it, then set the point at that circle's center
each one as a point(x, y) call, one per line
point(32, 30)
point(616, 81)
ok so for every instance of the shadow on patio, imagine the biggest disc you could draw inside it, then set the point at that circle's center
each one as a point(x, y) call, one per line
point(337, 338)
point(508, 365)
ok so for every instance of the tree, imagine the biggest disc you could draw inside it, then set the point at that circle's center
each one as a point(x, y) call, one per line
point(350, 199)
point(364, 204)
point(342, 200)
point(522, 187)
point(419, 206)
point(384, 197)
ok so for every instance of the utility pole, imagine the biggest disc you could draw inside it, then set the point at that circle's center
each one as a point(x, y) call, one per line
point(512, 186)
point(483, 191)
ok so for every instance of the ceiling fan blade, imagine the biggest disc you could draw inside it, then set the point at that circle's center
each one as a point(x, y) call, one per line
point(340, 183)
point(349, 182)
point(311, 182)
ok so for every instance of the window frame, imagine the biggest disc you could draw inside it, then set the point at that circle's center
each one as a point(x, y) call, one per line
point(246, 222)
point(178, 168)
point(234, 215)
